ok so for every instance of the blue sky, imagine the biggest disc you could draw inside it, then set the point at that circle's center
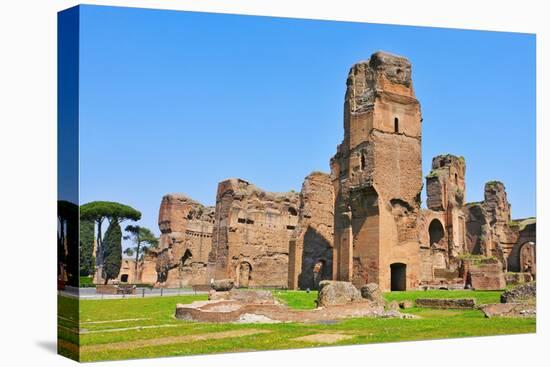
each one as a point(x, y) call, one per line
point(176, 102)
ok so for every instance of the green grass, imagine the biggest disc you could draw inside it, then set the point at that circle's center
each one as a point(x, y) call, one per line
point(297, 299)
point(86, 281)
point(158, 312)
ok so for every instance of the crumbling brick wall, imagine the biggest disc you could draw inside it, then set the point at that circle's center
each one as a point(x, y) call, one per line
point(185, 242)
point(311, 244)
point(491, 232)
point(250, 239)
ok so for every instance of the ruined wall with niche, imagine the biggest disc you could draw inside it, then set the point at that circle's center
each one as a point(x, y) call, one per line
point(378, 175)
point(250, 240)
point(185, 242)
point(433, 246)
point(311, 243)
point(522, 256)
point(491, 232)
point(443, 226)
point(488, 222)
point(129, 273)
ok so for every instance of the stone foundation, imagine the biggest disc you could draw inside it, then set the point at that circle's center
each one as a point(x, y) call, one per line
point(446, 303)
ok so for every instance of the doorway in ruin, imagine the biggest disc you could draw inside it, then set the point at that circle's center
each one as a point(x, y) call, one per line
point(244, 274)
point(124, 278)
point(436, 232)
point(398, 277)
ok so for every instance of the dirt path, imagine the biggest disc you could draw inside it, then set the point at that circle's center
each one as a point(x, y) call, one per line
point(171, 340)
point(85, 331)
point(110, 321)
point(324, 338)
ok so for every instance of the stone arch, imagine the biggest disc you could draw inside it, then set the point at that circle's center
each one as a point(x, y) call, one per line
point(436, 232)
point(398, 280)
point(244, 274)
point(124, 278)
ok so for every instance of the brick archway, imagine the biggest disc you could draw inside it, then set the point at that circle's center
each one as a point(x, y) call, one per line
point(436, 232)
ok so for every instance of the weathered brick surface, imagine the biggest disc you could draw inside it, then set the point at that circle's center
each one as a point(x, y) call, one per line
point(250, 239)
point(311, 244)
point(378, 175)
point(484, 274)
point(186, 239)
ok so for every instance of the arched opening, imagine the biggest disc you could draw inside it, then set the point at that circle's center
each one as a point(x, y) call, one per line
point(124, 278)
point(244, 275)
point(436, 232)
point(396, 124)
point(363, 160)
point(456, 178)
point(398, 277)
point(292, 211)
point(186, 256)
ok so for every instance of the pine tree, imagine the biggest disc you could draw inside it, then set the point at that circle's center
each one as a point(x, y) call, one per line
point(112, 251)
point(143, 239)
point(87, 261)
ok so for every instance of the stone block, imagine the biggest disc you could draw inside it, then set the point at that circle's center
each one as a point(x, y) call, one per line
point(337, 293)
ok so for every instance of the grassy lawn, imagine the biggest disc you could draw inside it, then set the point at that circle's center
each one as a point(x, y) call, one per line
point(86, 281)
point(146, 327)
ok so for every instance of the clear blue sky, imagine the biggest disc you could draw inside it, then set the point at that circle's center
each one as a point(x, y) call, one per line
point(176, 102)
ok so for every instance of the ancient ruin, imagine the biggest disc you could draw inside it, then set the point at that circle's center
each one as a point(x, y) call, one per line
point(377, 173)
point(185, 242)
point(336, 300)
point(311, 244)
point(251, 234)
point(362, 223)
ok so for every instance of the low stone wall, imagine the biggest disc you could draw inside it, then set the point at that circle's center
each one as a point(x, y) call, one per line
point(525, 293)
point(446, 303)
point(106, 289)
point(518, 278)
point(115, 289)
point(234, 311)
point(455, 284)
point(509, 310)
point(260, 306)
point(258, 297)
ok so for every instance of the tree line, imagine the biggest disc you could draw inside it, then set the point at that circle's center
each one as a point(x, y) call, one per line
point(94, 216)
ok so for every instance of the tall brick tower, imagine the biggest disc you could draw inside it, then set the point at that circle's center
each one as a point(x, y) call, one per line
point(377, 173)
